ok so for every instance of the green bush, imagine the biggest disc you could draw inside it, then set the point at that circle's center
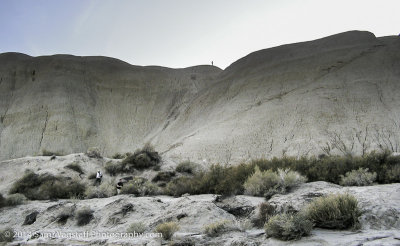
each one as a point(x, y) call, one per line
point(114, 168)
point(60, 189)
point(329, 168)
point(360, 177)
point(84, 216)
point(180, 186)
point(335, 211)
point(231, 180)
point(167, 229)
point(163, 176)
point(217, 228)
point(268, 183)
point(186, 167)
point(393, 174)
point(15, 200)
point(118, 156)
point(140, 187)
point(288, 226)
point(265, 212)
point(137, 227)
point(75, 167)
point(289, 179)
point(94, 152)
point(105, 189)
point(7, 235)
point(262, 183)
point(141, 159)
point(64, 215)
point(47, 186)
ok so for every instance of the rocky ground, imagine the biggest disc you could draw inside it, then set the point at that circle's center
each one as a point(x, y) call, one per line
point(380, 221)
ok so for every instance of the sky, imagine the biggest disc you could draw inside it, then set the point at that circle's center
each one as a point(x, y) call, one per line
point(182, 33)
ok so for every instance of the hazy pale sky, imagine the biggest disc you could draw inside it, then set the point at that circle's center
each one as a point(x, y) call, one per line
point(182, 33)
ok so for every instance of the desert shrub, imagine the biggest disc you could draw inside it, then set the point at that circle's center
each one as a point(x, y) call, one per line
point(143, 158)
point(218, 179)
point(232, 180)
point(2, 201)
point(288, 226)
point(118, 156)
point(268, 183)
point(140, 187)
point(114, 168)
point(15, 199)
point(61, 189)
point(64, 215)
point(360, 177)
point(335, 211)
point(290, 178)
point(84, 216)
point(265, 212)
point(262, 183)
point(330, 168)
point(217, 228)
point(167, 229)
point(163, 176)
point(137, 227)
point(105, 189)
point(50, 153)
point(94, 152)
point(186, 167)
point(75, 167)
point(393, 174)
point(180, 186)
point(7, 235)
point(47, 186)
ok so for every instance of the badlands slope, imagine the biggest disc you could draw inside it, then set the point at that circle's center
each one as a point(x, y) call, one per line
point(338, 94)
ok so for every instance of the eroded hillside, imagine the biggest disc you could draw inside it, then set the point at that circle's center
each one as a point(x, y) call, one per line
point(333, 95)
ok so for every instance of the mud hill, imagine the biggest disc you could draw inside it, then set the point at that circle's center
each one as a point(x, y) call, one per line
point(336, 95)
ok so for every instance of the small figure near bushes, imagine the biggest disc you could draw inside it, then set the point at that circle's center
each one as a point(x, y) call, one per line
point(99, 176)
point(120, 184)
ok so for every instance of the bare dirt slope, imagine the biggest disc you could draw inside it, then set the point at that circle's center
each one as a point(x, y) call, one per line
point(338, 94)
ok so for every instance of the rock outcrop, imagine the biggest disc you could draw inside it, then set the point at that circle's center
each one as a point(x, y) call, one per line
point(337, 95)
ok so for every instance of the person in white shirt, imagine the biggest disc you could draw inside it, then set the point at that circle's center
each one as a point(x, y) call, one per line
point(99, 176)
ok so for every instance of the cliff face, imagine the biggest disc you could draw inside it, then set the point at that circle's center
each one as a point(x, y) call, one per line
point(338, 94)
